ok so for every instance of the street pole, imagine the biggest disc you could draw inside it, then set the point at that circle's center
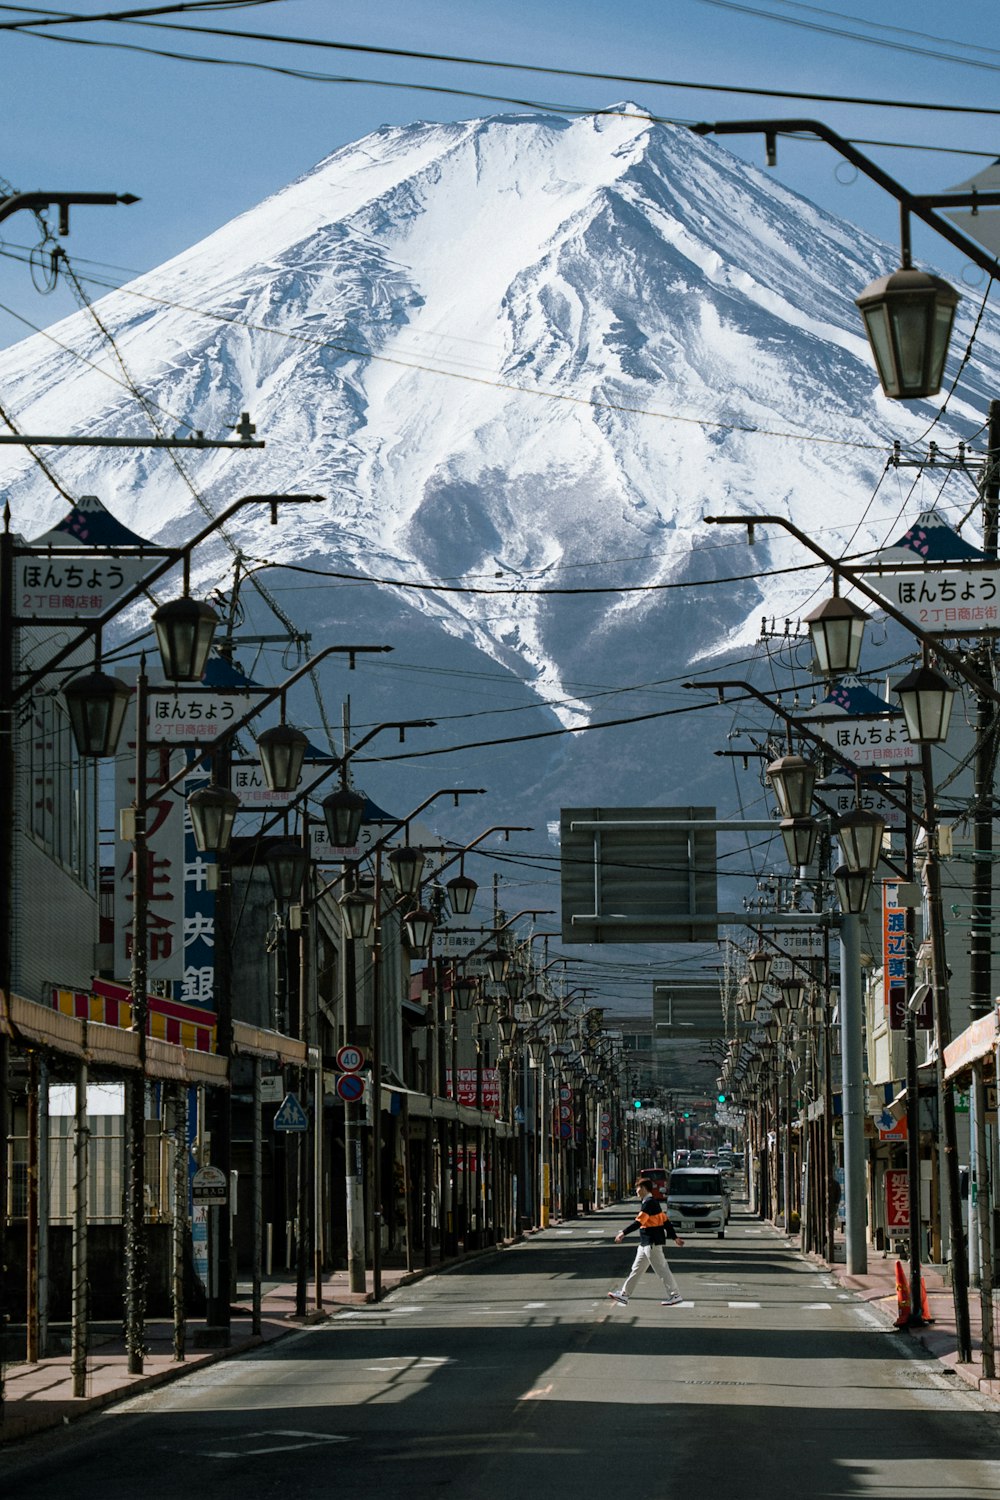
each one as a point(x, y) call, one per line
point(851, 1032)
point(356, 1278)
point(946, 1095)
point(135, 1084)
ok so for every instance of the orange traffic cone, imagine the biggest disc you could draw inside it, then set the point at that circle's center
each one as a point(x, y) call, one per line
point(925, 1311)
point(902, 1297)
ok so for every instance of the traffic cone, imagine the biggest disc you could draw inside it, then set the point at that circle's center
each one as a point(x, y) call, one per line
point(902, 1297)
point(925, 1311)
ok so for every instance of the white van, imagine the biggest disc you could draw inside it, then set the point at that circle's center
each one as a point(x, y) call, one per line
point(698, 1201)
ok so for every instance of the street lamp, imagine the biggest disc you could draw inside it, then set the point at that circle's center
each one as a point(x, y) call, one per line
point(464, 990)
point(497, 964)
point(836, 630)
point(461, 890)
point(792, 779)
point(406, 866)
point(185, 629)
point(96, 705)
point(759, 966)
point(908, 318)
point(926, 698)
point(859, 834)
point(287, 863)
point(799, 836)
point(419, 929)
point(213, 811)
point(358, 910)
point(853, 889)
point(793, 990)
point(343, 811)
point(282, 750)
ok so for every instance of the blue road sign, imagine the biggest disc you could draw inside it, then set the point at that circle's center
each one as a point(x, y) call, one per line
point(350, 1086)
point(291, 1115)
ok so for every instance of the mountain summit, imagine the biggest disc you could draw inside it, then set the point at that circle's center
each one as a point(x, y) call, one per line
point(516, 353)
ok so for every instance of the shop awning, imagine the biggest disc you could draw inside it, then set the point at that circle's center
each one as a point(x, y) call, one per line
point(973, 1044)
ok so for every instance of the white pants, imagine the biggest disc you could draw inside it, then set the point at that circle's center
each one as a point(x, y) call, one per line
point(650, 1257)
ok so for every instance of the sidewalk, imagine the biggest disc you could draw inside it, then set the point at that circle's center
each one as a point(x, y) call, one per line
point(878, 1288)
point(39, 1396)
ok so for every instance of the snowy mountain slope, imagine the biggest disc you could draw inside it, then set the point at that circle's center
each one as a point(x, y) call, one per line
point(512, 351)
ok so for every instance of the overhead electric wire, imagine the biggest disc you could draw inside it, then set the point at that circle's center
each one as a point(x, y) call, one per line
point(411, 54)
point(50, 17)
point(853, 36)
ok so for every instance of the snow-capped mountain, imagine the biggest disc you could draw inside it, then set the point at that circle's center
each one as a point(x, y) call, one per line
point(517, 354)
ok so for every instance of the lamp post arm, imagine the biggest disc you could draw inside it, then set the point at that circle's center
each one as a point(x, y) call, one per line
point(918, 204)
point(397, 824)
point(944, 653)
point(341, 762)
point(168, 560)
point(815, 738)
point(213, 746)
point(15, 202)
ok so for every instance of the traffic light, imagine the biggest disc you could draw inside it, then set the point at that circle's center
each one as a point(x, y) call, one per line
point(722, 1098)
point(636, 1103)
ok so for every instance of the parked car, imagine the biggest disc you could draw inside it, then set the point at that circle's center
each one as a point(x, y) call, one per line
point(698, 1201)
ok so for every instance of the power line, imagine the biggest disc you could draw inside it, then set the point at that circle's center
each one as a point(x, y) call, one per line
point(68, 18)
point(410, 54)
point(855, 36)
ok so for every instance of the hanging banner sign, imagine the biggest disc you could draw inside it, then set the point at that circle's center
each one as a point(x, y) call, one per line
point(870, 742)
point(182, 715)
point(80, 569)
point(956, 601)
point(841, 797)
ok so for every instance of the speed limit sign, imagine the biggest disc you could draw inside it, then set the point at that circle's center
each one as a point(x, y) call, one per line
point(350, 1059)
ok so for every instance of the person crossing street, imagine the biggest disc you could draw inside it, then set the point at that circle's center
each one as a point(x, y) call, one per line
point(654, 1229)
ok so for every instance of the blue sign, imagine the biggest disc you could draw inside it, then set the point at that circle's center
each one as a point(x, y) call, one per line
point(350, 1086)
point(291, 1115)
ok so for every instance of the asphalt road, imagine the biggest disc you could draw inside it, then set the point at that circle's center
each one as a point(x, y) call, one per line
point(516, 1377)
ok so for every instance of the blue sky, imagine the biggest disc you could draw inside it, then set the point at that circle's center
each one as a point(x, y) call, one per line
point(200, 143)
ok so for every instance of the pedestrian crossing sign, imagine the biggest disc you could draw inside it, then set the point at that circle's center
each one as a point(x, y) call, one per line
point(291, 1115)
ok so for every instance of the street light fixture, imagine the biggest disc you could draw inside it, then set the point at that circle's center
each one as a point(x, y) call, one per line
point(793, 990)
point(792, 779)
point(497, 964)
point(287, 863)
point(358, 909)
point(926, 698)
point(759, 966)
point(464, 990)
point(836, 630)
point(908, 318)
point(185, 629)
point(406, 866)
point(800, 836)
point(515, 985)
point(419, 928)
point(96, 705)
point(343, 811)
point(282, 751)
point(461, 890)
point(213, 811)
point(853, 889)
point(859, 834)
point(536, 1003)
